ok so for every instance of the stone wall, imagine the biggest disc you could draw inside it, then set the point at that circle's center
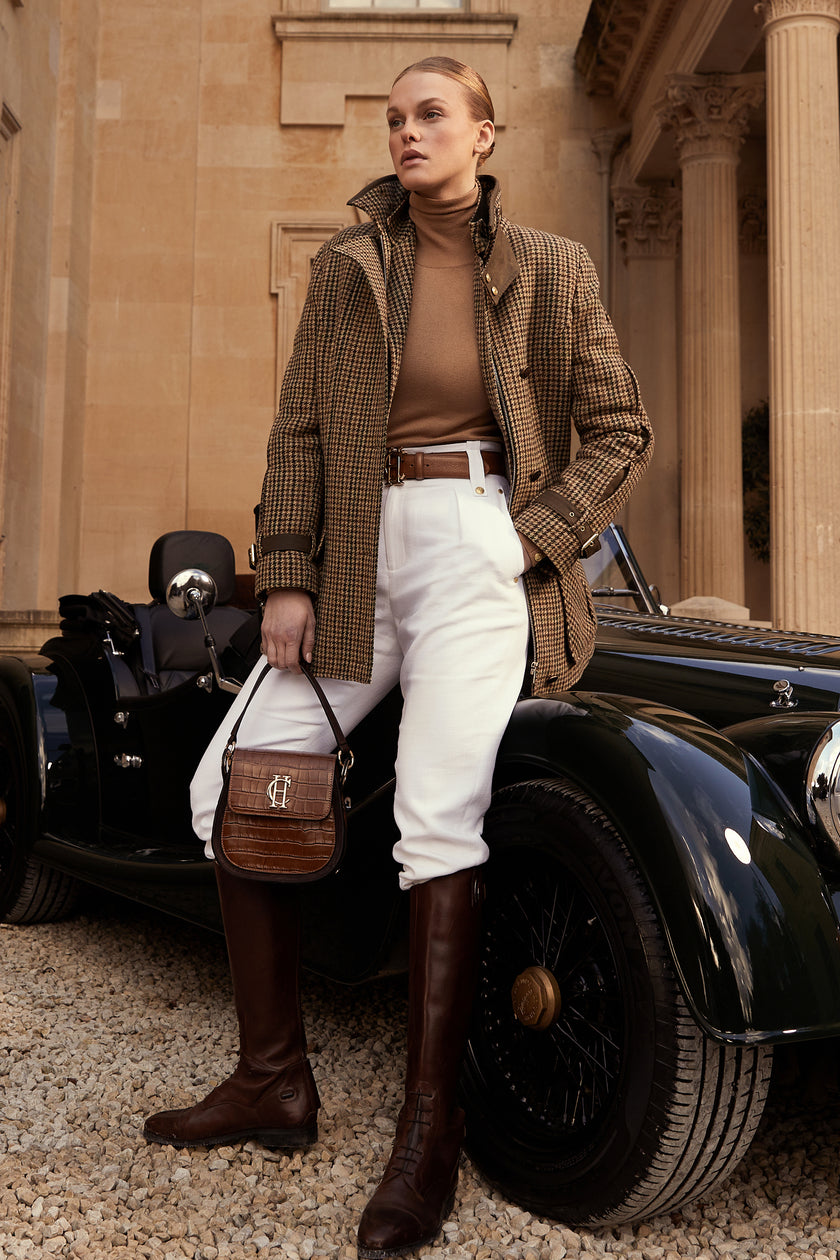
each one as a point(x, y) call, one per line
point(181, 162)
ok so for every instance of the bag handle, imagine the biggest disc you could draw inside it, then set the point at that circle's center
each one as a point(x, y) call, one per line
point(345, 754)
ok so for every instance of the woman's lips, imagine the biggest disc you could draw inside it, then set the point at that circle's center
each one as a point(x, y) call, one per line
point(411, 157)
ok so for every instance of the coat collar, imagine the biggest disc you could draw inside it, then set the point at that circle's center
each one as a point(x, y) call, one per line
point(385, 201)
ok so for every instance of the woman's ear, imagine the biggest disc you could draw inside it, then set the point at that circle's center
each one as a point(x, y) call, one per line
point(484, 138)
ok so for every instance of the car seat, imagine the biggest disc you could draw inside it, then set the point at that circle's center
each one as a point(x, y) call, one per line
point(173, 650)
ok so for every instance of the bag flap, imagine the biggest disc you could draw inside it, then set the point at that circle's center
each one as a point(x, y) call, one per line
point(281, 784)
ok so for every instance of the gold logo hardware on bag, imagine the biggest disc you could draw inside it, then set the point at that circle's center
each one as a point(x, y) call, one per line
point(281, 815)
point(278, 791)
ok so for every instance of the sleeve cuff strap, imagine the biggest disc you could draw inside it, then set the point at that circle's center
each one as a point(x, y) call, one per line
point(589, 542)
point(285, 542)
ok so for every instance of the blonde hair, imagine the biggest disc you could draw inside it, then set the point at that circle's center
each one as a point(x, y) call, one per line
point(479, 102)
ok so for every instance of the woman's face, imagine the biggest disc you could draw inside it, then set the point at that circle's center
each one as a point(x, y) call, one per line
point(435, 143)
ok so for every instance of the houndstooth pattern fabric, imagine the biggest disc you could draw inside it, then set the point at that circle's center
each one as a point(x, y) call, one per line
point(542, 330)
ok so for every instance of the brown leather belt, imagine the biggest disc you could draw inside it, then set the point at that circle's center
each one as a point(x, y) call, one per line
point(403, 465)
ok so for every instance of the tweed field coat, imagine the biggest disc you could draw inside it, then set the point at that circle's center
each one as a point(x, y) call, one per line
point(544, 340)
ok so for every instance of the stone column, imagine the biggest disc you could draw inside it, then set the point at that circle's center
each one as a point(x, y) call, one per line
point(708, 114)
point(647, 226)
point(803, 165)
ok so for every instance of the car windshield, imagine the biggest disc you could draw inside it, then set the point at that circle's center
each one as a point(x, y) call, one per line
point(614, 573)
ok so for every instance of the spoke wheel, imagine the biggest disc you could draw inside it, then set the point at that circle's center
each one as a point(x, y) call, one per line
point(29, 891)
point(591, 1095)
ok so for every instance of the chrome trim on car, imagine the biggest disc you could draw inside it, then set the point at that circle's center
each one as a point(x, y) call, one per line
point(822, 784)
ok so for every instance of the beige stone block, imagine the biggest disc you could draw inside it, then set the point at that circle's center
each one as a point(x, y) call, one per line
point(123, 177)
point(170, 92)
point(109, 98)
point(26, 631)
point(227, 463)
point(221, 25)
point(118, 276)
point(144, 231)
point(224, 63)
point(233, 384)
point(140, 37)
point(231, 280)
point(238, 234)
point(250, 190)
point(149, 328)
point(251, 103)
point(162, 379)
point(136, 491)
point(232, 332)
point(172, 139)
point(118, 539)
point(227, 467)
point(238, 145)
point(151, 453)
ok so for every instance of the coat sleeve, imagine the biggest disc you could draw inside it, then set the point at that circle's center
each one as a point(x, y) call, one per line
point(616, 439)
point(291, 504)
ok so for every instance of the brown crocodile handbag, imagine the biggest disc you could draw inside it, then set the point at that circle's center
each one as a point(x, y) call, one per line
point(281, 815)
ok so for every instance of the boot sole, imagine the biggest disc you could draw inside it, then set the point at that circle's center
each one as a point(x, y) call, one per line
point(274, 1139)
point(386, 1253)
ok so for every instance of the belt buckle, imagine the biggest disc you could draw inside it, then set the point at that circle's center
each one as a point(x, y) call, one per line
point(393, 474)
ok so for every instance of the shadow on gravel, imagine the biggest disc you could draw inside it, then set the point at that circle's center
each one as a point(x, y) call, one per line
point(146, 1000)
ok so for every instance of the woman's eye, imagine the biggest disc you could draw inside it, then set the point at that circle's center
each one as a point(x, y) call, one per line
point(433, 113)
point(394, 123)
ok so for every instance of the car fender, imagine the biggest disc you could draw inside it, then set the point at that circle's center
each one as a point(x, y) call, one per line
point(58, 742)
point(19, 691)
point(747, 914)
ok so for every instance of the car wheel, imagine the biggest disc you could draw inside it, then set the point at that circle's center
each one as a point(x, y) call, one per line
point(591, 1094)
point(29, 891)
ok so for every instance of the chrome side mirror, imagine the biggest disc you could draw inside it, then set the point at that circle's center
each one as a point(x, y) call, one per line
point(190, 590)
point(190, 595)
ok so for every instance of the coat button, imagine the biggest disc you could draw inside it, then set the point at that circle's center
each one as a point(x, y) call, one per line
point(494, 291)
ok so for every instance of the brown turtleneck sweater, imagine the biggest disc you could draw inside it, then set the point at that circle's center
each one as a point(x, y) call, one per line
point(440, 395)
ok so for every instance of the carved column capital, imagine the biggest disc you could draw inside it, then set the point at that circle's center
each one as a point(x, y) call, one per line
point(709, 113)
point(647, 220)
point(778, 10)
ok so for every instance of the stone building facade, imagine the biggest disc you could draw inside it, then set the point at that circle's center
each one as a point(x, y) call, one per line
point(167, 170)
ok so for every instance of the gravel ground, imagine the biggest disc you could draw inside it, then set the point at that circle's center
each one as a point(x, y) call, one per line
point(105, 1019)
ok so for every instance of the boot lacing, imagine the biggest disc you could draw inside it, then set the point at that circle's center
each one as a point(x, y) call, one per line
point(407, 1155)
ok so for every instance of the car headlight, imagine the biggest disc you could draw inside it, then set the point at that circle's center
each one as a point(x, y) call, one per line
point(822, 784)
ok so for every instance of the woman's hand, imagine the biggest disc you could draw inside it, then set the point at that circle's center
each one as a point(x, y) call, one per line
point(288, 629)
point(526, 554)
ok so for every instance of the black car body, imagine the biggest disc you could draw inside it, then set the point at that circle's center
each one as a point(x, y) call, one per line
point(663, 888)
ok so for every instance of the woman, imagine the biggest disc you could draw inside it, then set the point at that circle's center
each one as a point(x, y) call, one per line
point(454, 349)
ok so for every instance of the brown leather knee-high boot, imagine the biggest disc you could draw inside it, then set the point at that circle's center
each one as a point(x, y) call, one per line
point(418, 1189)
point(271, 1097)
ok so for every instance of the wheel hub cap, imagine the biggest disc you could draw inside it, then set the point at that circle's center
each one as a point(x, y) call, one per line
point(536, 998)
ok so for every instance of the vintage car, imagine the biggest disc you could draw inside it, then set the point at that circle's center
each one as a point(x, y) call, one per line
point(663, 888)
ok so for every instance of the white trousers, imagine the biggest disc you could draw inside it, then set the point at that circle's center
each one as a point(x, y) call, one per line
point(452, 629)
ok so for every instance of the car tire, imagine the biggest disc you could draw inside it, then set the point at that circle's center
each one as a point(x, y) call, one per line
point(614, 1105)
point(29, 891)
